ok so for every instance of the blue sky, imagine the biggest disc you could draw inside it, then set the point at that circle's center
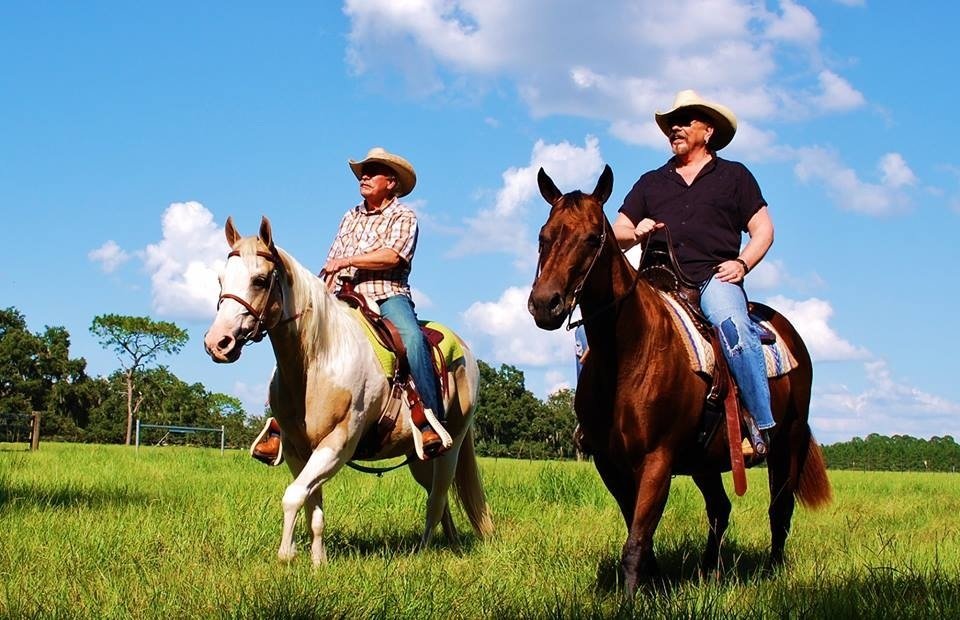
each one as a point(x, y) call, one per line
point(130, 133)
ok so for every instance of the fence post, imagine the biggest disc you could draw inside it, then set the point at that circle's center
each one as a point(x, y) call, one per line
point(222, 437)
point(35, 432)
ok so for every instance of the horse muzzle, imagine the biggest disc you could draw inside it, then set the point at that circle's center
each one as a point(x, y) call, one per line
point(222, 349)
point(548, 309)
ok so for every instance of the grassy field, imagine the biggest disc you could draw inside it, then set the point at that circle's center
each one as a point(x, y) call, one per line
point(101, 531)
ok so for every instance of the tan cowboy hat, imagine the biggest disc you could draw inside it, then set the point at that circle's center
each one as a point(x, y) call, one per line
point(722, 118)
point(406, 177)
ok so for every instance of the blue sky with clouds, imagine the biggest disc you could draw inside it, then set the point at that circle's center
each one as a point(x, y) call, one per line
point(130, 133)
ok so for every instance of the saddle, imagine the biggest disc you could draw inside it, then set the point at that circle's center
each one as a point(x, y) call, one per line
point(660, 268)
point(403, 387)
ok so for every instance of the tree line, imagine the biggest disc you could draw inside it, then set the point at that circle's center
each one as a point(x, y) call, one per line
point(896, 453)
point(38, 374)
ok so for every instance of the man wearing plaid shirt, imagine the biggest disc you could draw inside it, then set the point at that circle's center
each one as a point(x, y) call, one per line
point(374, 247)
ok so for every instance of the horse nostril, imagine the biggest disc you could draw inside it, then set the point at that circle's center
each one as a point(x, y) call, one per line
point(556, 304)
point(225, 343)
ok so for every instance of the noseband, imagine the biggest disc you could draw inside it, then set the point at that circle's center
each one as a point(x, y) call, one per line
point(260, 329)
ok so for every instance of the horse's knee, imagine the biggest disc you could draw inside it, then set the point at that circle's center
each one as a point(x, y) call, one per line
point(293, 498)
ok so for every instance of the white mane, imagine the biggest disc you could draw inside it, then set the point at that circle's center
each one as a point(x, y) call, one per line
point(327, 326)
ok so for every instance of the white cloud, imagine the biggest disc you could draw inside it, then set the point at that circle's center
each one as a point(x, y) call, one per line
point(733, 51)
point(109, 255)
point(885, 406)
point(253, 396)
point(420, 299)
point(769, 274)
point(556, 380)
point(184, 264)
point(837, 94)
point(811, 319)
point(505, 226)
point(796, 24)
point(896, 172)
point(506, 329)
point(846, 188)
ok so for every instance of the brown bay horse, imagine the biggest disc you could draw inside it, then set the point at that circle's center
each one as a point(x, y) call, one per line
point(638, 402)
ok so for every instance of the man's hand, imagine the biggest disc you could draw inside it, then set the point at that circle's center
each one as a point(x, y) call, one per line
point(331, 269)
point(629, 235)
point(645, 227)
point(732, 271)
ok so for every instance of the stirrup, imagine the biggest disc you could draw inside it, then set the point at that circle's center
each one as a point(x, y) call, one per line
point(271, 431)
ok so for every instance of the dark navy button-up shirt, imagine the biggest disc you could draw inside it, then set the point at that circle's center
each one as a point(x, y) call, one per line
point(705, 218)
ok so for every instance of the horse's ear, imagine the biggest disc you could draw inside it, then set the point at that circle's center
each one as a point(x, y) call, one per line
point(548, 189)
point(604, 185)
point(230, 231)
point(266, 233)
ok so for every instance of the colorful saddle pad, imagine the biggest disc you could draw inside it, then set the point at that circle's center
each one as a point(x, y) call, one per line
point(779, 359)
point(450, 346)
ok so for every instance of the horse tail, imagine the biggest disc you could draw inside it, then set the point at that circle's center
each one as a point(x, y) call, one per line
point(469, 489)
point(812, 487)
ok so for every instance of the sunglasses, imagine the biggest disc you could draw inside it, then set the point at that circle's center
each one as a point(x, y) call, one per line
point(684, 119)
point(372, 170)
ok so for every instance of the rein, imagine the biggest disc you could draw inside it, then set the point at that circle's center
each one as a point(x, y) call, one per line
point(379, 471)
point(259, 329)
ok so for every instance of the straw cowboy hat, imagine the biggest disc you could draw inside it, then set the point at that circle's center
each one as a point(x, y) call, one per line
point(406, 177)
point(722, 118)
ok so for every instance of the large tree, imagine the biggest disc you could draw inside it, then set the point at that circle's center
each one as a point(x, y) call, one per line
point(36, 371)
point(137, 341)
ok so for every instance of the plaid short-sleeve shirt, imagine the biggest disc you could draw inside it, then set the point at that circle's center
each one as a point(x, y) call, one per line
point(393, 226)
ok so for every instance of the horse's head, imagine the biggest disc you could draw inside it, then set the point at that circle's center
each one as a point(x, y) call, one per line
point(570, 243)
point(251, 293)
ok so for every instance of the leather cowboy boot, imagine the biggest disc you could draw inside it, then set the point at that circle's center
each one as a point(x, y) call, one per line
point(267, 447)
point(432, 442)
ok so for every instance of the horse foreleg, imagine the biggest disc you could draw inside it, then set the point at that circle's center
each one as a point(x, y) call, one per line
point(718, 516)
point(638, 561)
point(313, 509)
point(320, 467)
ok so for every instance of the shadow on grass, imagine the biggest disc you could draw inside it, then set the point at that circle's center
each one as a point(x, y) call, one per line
point(390, 544)
point(681, 564)
point(15, 497)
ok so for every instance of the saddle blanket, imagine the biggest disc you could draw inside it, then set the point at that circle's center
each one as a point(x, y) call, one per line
point(778, 358)
point(450, 346)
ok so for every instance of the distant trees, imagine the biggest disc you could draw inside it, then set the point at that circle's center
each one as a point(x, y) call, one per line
point(897, 453)
point(38, 374)
point(512, 422)
point(137, 341)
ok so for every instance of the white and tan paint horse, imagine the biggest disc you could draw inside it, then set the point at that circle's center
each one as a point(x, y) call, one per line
point(329, 388)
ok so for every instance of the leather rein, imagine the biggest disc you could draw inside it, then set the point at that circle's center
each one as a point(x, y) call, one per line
point(260, 329)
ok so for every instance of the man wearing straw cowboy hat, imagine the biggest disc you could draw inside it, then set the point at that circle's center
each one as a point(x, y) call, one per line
point(706, 202)
point(374, 249)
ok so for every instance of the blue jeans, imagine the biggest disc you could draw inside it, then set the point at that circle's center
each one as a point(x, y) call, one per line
point(725, 304)
point(399, 309)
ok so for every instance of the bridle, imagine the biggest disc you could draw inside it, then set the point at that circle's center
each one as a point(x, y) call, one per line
point(260, 329)
point(575, 300)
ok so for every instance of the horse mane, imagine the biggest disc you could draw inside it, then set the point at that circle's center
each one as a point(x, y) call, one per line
point(324, 323)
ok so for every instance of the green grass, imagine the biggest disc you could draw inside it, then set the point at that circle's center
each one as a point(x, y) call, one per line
point(100, 531)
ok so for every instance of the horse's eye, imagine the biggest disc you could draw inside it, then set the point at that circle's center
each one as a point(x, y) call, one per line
point(594, 240)
point(260, 282)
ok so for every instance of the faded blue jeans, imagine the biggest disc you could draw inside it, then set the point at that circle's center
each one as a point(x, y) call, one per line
point(725, 305)
point(399, 309)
